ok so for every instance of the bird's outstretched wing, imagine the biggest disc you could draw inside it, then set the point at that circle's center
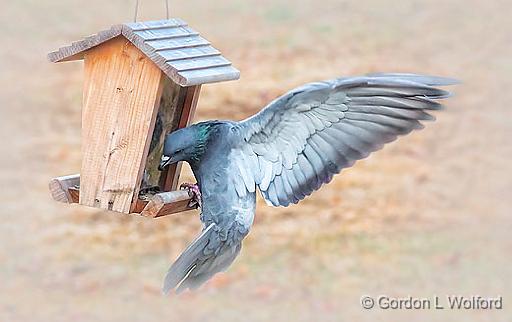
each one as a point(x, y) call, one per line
point(300, 140)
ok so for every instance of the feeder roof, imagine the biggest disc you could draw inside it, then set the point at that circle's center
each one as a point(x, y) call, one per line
point(178, 50)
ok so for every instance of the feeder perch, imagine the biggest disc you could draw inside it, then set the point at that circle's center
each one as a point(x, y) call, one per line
point(141, 81)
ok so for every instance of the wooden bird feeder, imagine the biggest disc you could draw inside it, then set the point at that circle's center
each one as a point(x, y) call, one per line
point(141, 81)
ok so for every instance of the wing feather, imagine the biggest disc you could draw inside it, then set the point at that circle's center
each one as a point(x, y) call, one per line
point(305, 137)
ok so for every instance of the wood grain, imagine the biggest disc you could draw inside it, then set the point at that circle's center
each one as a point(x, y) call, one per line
point(77, 49)
point(59, 187)
point(201, 63)
point(157, 34)
point(209, 75)
point(74, 193)
point(189, 53)
point(122, 90)
point(156, 24)
point(167, 203)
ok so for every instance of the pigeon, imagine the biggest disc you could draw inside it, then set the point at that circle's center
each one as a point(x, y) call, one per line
point(292, 147)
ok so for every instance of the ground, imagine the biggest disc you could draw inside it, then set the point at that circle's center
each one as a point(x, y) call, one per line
point(428, 215)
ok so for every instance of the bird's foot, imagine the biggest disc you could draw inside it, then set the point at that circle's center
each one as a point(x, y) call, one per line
point(194, 192)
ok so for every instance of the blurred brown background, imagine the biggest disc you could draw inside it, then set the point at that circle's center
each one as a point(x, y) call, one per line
point(427, 215)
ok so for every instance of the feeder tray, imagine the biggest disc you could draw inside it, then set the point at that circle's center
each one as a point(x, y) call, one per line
point(141, 81)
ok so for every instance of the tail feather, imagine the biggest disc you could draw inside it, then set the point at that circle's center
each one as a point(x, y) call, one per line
point(199, 262)
point(199, 275)
point(187, 260)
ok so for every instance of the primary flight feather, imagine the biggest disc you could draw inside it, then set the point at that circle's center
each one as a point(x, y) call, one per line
point(289, 149)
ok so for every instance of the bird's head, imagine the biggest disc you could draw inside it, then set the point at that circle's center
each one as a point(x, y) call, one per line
point(187, 144)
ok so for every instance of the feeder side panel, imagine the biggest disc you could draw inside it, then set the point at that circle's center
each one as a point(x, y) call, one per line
point(167, 120)
point(170, 176)
point(122, 90)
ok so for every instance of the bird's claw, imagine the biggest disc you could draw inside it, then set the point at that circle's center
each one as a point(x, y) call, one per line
point(194, 193)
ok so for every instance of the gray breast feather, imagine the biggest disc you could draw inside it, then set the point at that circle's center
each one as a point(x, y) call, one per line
point(300, 140)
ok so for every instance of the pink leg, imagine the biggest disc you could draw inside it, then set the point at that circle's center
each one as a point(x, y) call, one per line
point(194, 192)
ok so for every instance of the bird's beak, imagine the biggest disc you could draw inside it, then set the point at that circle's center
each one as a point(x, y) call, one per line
point(164, 162)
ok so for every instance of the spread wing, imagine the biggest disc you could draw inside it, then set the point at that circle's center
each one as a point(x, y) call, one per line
point(300, 140)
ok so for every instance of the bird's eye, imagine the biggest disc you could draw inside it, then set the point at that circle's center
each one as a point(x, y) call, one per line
point(178, 151)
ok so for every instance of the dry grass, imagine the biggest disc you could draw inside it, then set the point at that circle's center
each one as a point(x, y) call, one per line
point(427, 215)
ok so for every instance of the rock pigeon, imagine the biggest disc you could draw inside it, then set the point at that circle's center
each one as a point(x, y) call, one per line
point(289, 149)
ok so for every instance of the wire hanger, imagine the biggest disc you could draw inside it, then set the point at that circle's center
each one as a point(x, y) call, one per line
point(137, 10)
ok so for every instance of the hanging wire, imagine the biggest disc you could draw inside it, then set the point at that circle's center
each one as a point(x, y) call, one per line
point(137, 10)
